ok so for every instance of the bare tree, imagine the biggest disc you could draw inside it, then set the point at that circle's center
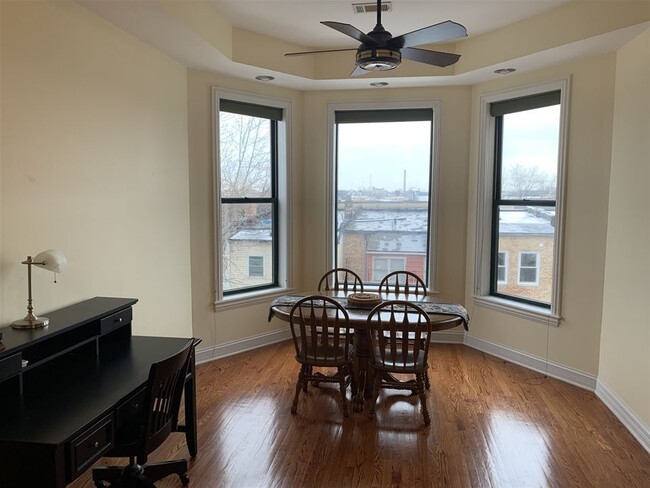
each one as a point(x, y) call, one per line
point(523, 182)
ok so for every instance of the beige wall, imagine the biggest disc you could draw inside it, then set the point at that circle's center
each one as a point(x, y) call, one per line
point(453, 169)
point(625, 338)
point(576, 342)
point(216, 328)
point(94, 163)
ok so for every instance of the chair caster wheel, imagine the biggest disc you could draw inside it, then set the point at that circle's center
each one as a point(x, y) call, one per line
point(185, 480)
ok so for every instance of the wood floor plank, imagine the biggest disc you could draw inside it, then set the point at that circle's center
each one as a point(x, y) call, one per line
point(493, 425)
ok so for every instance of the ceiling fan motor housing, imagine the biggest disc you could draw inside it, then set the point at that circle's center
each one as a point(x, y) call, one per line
point(378, 59)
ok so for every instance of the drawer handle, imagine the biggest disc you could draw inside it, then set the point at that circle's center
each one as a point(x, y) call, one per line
point(136, 406)
point(119, 321)
point(96, 444)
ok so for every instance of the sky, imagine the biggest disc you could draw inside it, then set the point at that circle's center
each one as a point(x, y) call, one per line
point(376, 154)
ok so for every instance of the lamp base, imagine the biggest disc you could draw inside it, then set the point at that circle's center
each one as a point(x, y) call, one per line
point(31, 322)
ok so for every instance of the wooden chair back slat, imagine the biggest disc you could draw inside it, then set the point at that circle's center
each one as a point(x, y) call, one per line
point(321, 330)
point(341, 279)
point(403, 282)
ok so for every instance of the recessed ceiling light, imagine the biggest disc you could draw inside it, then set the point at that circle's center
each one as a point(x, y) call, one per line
point(265, 78)
point(504, 71)
point(379, 83)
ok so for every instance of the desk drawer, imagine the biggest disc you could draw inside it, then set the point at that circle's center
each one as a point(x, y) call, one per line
point(115, 321)
point(90, 445)
point(10, 366)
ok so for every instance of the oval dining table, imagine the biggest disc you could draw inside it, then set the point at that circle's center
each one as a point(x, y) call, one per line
point(443, 316)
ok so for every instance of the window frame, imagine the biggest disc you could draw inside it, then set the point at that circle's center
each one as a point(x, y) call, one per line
point(256, 266)
point(436, 107)
point(388, 259)
point(521, 266)
point(484, 206)
point(282, 226)
point(505, 268)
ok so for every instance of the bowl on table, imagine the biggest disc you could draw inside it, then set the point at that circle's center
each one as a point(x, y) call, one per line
point(364, 299)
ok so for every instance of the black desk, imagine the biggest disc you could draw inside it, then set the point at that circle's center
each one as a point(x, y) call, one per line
point(86, 375)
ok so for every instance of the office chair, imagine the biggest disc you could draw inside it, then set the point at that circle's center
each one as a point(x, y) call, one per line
point(147, 430)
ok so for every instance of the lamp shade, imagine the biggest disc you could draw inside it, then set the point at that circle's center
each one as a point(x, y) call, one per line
point(51, 260)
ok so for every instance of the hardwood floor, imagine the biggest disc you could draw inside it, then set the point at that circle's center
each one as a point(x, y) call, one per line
point(493, 424)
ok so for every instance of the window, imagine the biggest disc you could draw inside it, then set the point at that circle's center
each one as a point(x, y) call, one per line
point(255, 266)
point(502, 267)
point(382, 266)
point(528, 268)
point(382, 189)
point(251, 175)
point(520, 207)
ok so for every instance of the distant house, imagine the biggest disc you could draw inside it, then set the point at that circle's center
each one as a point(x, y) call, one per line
point(525, 260)
point(249, 253)
point(374, 242)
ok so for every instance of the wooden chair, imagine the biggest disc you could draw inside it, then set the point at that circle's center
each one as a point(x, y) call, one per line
point(404, 282)
point(147, 429)
point(341, 279)
point(400, 333)
point(323, 338)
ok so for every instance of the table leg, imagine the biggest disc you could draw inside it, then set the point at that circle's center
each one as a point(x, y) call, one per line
point(364, 382)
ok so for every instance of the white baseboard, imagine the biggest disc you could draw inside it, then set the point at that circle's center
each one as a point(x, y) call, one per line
point(242, 345)
point(448, 337)
point(625, 414)
point(541, 365)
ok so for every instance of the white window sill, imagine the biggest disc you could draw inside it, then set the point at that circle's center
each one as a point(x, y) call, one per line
point(523, 310)
point(249, 298)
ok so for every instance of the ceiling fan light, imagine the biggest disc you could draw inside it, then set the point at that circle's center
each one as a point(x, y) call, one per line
point(378, 59)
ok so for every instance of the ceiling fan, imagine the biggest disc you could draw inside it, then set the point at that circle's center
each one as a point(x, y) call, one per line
point(380, 51)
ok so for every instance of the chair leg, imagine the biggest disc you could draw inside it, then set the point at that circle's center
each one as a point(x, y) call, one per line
point(375, 394)
point(427, 384)
point(299, 385)
point(341, 374)
point(423, 399)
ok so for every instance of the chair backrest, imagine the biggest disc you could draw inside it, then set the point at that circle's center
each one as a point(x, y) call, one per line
point(404, 282)
point(321, 329)
point(340, 279)
point(162, 399)
point(400, 333)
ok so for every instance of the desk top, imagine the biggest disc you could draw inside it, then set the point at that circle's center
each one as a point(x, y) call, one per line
point(443, 315)
point(62, 320)
point(53, 409)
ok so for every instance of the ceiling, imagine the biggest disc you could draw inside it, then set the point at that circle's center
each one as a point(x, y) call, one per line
point(246, 38)
point(298, 21)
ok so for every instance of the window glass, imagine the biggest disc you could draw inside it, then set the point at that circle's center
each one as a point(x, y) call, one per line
point(502, 267)
point(248, 203)
point(524, 202)
point(255, 266)
point(382, 194)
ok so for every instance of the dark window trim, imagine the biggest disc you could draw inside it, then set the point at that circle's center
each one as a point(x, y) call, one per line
point(273, 199)
point(385, 115)
point(498, 110)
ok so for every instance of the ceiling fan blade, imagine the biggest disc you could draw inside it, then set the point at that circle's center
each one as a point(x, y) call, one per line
point(323, 51)
point(352, 31)
point(444, 31)
point(435, 58)
point(358, 71)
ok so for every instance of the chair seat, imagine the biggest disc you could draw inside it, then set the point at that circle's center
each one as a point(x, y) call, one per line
point(325, 355)
point(401, 365)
